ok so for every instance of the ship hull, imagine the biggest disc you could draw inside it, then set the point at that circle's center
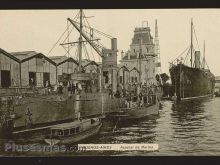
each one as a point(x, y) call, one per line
point(140, 112)
point(191, 83)
point(49, 110)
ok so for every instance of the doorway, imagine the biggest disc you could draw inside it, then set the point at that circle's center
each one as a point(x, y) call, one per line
point(32, 79)
point(105, 74)
point(46, 79)
point(5, 78)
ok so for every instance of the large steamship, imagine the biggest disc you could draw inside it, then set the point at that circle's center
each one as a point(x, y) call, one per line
point(194, 81)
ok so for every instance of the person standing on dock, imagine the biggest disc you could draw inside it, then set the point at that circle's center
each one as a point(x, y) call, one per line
point(28, 119)
point(110, 90)
point(73, 88)
point(60, 88)
point(79, 87)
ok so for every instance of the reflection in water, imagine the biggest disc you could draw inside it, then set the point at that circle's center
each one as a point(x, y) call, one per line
point(192, 126)
point(188, 128)
point(187, 122)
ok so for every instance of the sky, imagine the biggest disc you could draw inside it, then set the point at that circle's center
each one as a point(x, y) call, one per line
point(38, 30)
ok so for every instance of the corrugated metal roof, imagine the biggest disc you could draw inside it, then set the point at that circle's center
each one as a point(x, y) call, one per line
point(24, 54)
point(62, 59)
point(91, 63)
point(27, 55)
point(9, 55)
point(58, 59)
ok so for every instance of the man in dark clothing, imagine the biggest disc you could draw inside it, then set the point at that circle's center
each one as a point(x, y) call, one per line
point(73, 89)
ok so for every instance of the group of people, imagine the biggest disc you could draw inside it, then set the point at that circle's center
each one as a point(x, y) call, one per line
point(135, 93)
point(72, 88)
point(130, 89)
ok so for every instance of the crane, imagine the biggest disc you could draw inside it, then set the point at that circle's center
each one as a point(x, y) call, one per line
point(94, 46)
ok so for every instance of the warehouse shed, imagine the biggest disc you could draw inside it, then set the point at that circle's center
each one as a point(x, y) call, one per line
point(65, 64)
point(36, 69)
point(9, 70)
point(91, 67)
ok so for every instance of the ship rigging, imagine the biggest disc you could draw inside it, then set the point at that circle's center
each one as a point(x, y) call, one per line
point(86, 32)
point(190, 51)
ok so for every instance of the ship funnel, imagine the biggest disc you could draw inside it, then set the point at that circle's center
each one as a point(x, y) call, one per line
point(197, 59)
point(114, 44)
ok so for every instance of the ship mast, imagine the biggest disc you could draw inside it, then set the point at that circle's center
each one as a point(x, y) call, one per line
point(80, 43)
point(191, 42)
point(203, 61)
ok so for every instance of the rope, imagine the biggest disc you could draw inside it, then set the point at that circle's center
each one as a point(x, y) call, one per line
point(194, 63)
point(56, 42)
point(186, 56)
point(92, 53)
point(68, 33)
point(76, 52)
point(86, 51)
point(60, 37)
point(181, 54)
point(88, 56)
point(67, 37)
point(86, 19)
point(106, 35)
point(206, 64)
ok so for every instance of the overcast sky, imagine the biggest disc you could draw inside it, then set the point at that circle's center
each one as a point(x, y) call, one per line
point(38, 30)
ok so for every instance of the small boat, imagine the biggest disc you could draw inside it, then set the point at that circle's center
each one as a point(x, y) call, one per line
point(137, 111)
point(73, 132)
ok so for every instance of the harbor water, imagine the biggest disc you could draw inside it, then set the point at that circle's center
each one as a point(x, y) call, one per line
point(189, 128)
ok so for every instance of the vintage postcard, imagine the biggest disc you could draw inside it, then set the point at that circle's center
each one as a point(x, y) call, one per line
point(113, 82)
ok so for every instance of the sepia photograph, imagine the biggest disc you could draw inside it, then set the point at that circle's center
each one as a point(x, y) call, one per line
point(109, 82)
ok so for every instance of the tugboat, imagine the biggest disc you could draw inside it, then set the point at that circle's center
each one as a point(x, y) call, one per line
point(194, 81)
point(72, 132)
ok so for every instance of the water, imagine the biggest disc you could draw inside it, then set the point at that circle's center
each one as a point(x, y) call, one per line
point(191, 128)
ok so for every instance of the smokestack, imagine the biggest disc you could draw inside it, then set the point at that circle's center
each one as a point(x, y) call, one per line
point(197, 59)
point(114, 44)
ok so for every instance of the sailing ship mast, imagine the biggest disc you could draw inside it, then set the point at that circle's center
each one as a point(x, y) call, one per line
point(191, 43)
point(203, 61)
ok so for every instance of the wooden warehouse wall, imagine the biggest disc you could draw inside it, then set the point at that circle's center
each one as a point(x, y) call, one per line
point(38, 66)
point(66, 67)
point(8, 64)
